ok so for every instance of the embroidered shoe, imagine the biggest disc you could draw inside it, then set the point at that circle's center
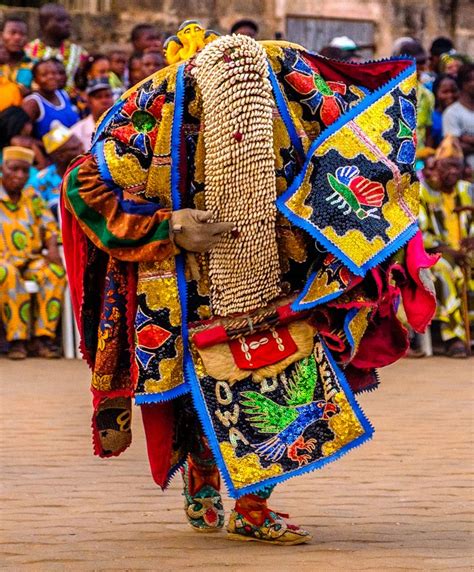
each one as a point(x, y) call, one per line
point(202, 500)
point(254, 521)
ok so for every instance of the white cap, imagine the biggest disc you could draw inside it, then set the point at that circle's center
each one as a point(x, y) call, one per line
point(343, 43)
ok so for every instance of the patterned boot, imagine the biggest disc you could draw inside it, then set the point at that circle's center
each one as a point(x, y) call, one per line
point(252, 520)
point(202, 500)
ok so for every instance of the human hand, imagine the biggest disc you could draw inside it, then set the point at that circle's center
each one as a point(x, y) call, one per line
point(53, 256)
point(191, 230)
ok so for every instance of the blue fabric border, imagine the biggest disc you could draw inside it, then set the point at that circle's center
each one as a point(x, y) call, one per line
point(285, 115)
point(214, 444)
point(127, 206)
point(180, 275)
point(105, 121)
point(349, 317)
point(150, 398)
point(311, 229)
point(297, 306)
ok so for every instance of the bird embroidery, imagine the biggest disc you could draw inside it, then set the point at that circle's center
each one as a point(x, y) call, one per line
point(288, 422)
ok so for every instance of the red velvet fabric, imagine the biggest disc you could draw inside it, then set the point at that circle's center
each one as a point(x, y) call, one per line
point(386, 339)
point(419, 301)
point(370, 75)
point(158, 421)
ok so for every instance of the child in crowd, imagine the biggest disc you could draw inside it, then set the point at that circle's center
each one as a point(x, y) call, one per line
point(446, 92)
point(145, 37)
point(99, 99)
point(118, 59)
point(135, 72)
point(16, 128)
point(48, 103)
point(62, 74)
point(10, 93)
point(152, 62)
point(95, 66)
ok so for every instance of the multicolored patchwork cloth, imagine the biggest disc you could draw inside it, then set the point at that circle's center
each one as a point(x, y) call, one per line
point(262, 341)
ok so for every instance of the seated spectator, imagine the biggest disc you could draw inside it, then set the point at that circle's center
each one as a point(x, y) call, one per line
point(99, 99)
point(48, 103)
point(445, 91)
point(145, 37)
point(443, 232)
point(425, 105)
point(135, 72)
point(18, 66)
point(15, 129)
point(62, 146)
point(27, 227)
point(458, 118)
point(10, 92)
point(152, 62)
point(55, 31)
point(118, 71)
point(246, 28)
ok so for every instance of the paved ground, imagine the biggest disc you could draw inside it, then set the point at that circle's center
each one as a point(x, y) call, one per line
point(402, 502)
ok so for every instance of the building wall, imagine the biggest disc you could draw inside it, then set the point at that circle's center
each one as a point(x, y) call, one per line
point(425, 19)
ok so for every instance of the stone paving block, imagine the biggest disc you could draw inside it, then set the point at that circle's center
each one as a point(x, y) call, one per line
point(402, 502)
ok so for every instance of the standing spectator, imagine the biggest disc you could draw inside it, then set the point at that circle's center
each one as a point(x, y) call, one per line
point(451, 62)
point(48, 103)
point(99, 99)
point(246, 28)
point(425, 98)
point(444, 232)
point(118, 75)
point(62, 74)
point(10, 93)
point(18, 66)
point(26, 229)
point(445, 91)
point(135, 72)
point(95, 66)
point(62, 146)
point(348, 47)
point(152, 62)
point(458, 119)
point(439, 46)
point(145, 37)
point(55, 26)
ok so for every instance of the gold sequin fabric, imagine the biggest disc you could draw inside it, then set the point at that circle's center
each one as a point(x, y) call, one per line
point(295, 421)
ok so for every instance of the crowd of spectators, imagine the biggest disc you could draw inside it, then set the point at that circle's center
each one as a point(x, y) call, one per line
point(52, 93)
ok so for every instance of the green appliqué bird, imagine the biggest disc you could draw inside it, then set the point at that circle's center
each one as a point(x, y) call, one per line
point(288, 422)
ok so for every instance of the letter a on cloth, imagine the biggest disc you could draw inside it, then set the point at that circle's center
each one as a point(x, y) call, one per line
point(355, 193)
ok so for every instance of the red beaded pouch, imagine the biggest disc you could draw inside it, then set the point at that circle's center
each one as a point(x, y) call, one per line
point(260, 343)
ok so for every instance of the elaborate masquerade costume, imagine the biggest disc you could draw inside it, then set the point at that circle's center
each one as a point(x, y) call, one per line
point(266, 337)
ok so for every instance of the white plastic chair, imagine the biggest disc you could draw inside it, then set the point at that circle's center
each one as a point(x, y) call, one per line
point(70, 334)
point(426, 344)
